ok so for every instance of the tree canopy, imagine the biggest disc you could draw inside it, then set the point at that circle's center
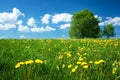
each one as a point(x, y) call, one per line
point(108, 30)
point(84, 25)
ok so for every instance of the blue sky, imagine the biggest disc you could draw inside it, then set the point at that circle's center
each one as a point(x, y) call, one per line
point(51, 18)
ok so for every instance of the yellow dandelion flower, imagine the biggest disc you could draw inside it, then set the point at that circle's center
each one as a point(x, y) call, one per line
point(68, 55)
point(85, 66)
point(97, 62)
point(29, 62)
point(69, 66)
point(101, 61)
point(38, 61)
point(76, 66)
point(73, 70)
point(83, 63)
point(17, 66)
point(21, 63)
point(78, 62)
point(81, 59)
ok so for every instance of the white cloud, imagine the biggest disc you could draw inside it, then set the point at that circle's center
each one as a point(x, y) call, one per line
point(42, 29)
point(99, 17)
point(8, 20)
point(64, 26)
point(63, 17)
point(7, 17)
point(7, 26)
point(31, 22)
point(22, 28)
point(115, 21)
point(20, 22)
point(36, 29)
point(101, 24)
point(45, 18)
point(22, 36)
point(17, 13)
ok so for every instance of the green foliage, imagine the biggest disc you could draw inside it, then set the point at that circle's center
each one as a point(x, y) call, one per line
point(109, 30)
point(84, 25)
point(66, 59)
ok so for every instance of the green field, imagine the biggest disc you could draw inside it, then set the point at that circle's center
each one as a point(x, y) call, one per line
point(60, 59)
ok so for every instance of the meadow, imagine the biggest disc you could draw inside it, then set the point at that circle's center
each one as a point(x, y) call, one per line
point(60, 59)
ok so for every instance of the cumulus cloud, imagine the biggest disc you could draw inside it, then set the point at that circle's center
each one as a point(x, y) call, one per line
point(20, 22)
point(31, 22)
point(64, 26)
point(7, 17)
point(99, 17)
point(7, 26)
point(8, 20)
point(45, 18)
point(101, 24)
point(23, 28)
point(63, 17)
point(115, 21)
point(42, 29)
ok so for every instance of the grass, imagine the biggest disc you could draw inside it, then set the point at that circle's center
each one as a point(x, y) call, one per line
point(60, 59)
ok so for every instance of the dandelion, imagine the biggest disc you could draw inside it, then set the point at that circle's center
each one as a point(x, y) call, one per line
point(38, 61)
point(69, 66)
point(96, 62)
point(17, 66)
point(83, 63)
point(78, 62)
point(81, 59)
point(73, 70)
point(101, 61)
point(68, 55)
point(76, 66)
point(21, 63)
point(29, 62)
point(85, 66)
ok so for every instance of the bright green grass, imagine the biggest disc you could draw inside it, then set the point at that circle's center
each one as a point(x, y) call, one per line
point(57, 55)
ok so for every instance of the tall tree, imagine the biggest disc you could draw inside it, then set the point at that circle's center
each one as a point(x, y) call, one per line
point(84, 25)
point(108, 31)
